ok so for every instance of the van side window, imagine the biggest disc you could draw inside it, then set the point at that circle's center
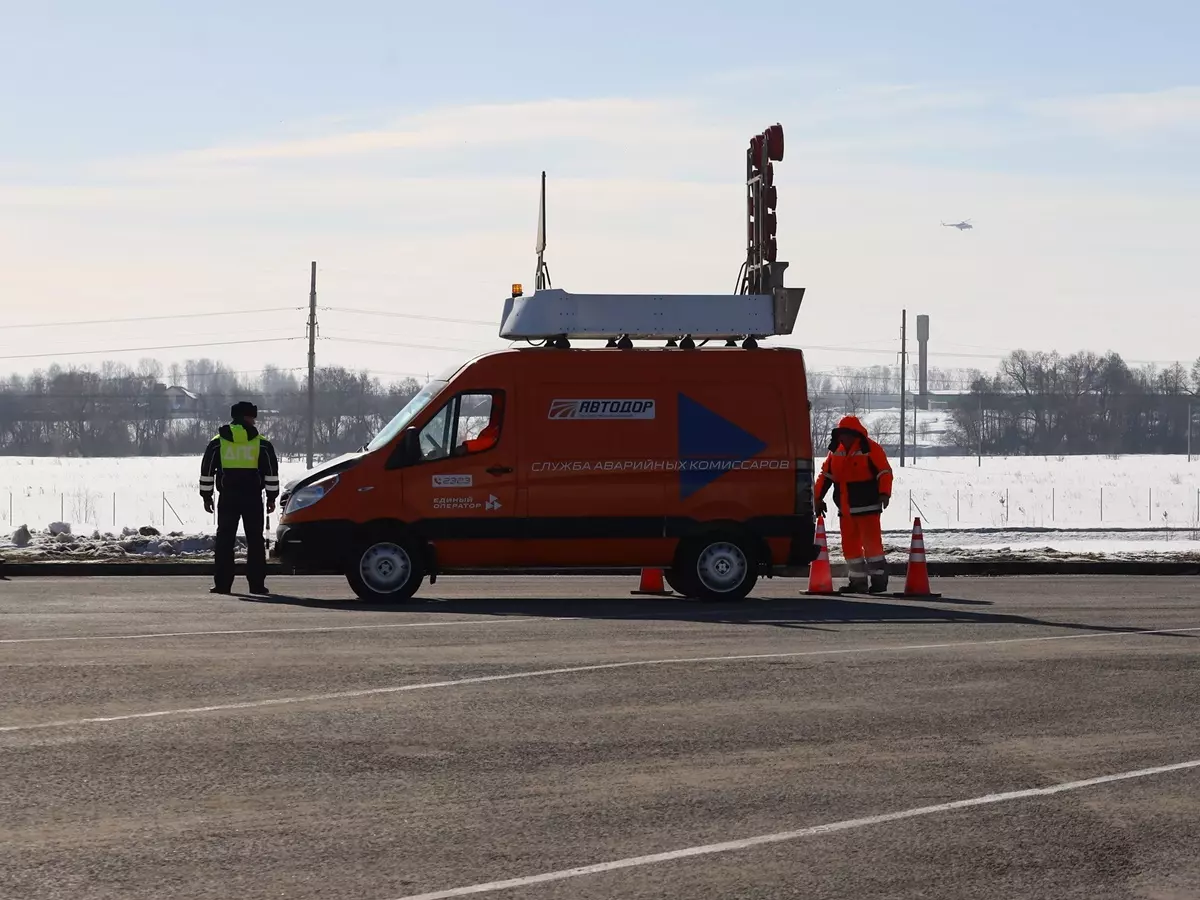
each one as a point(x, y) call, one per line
point(479, 421)
point(468, 423)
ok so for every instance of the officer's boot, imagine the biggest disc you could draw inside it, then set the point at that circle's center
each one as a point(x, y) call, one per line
point(854, 586)
point(879, 584)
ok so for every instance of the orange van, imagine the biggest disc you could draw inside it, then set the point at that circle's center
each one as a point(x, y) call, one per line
point(696, 461)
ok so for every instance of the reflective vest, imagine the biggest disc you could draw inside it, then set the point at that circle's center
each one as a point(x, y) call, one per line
point(241, 452)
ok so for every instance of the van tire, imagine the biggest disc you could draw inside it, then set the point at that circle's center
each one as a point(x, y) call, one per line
point(384, 569)
point(722, 565)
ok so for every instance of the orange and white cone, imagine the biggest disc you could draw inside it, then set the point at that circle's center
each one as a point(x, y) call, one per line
point(652, 584)
point(820, 576)
point(916, 582)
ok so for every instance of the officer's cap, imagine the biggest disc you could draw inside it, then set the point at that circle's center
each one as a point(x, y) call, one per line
point(244, 408)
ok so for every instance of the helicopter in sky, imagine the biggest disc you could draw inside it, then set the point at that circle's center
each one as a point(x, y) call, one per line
point(964, 225)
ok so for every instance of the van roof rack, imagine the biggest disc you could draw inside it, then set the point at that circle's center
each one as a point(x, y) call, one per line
point(553, 313)
point(762, 308)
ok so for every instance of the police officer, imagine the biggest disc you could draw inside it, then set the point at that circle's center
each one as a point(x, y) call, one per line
point(241, 464)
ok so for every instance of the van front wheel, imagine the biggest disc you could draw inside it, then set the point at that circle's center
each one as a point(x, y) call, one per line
point(720, 567)
point(384, 569)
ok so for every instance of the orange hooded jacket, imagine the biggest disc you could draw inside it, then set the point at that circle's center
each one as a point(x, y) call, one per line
point(858, 471)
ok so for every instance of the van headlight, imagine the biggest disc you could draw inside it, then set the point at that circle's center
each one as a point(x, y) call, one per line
point(307, 496)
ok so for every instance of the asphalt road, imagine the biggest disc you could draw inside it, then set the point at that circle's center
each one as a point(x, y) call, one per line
point(156, 742)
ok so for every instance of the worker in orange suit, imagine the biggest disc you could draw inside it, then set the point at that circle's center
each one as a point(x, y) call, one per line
point(861, 477)
point(487, 438)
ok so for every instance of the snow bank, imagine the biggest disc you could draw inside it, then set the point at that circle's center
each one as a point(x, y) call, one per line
point(64, 546)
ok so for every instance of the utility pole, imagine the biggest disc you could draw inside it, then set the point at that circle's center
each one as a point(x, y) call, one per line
point(916, 432)
point(903, 366)
point(312, 362)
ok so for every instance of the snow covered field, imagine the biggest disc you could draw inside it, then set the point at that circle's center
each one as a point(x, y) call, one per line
point(954, 496)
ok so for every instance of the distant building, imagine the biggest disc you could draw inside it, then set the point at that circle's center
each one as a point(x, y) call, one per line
point(182, 403)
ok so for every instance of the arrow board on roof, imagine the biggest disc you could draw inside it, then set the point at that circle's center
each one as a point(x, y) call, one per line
point(553, 312)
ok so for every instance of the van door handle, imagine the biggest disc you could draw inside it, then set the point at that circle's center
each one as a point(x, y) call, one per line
point(500, 470)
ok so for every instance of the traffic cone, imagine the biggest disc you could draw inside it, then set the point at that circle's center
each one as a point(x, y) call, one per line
point(916, 582)
point(820, 576)
point(652, 584)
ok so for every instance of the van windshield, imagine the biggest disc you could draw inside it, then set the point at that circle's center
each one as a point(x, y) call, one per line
point(411, 410)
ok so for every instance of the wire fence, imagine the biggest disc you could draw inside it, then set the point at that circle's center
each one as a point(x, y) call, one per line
point(110, 513)
point(1168, 506)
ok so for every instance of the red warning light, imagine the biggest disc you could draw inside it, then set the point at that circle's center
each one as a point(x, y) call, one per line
point(774, 136)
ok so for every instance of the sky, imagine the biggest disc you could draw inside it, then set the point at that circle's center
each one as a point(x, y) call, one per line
point(161, 162)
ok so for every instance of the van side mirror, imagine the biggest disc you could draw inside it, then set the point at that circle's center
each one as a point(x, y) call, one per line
point(407, 451)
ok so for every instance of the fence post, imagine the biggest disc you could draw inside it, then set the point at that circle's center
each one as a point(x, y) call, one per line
point(1150, 506)
point(1052, 505)
point(114, 509)
point(1101, 504)
point(62, 507)
point(958, 507)
point(164, 510)
point(1007, 507)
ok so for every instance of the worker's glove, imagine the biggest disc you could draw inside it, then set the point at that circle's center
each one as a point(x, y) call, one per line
point(822, 509)
point(885, 500)
point(270, 504)
point(208, 502)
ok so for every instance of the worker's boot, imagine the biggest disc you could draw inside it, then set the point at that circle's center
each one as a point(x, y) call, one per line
point(878, 584)
point(854, 586)
point(259, 590)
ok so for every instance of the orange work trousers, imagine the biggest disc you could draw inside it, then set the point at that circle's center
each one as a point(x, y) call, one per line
point(862, 545)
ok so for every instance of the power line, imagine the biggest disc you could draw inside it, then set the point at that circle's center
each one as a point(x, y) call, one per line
point(400, 315)
point(496, 344)
point(404, 374)
point(183, 374)
point(186, 376)
point(142, 349)
point(203, 315)
point(350, 340)
point(240, 333)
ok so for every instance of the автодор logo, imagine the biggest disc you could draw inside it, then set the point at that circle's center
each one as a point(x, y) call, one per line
point(601, 409)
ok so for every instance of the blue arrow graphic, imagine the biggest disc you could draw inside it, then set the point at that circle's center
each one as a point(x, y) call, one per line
point(706, 440)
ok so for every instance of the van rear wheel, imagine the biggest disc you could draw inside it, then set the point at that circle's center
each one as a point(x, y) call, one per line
point(719, 566)
point(384, 569)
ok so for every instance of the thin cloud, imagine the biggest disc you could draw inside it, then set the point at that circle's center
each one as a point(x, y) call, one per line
point(602, 120)
point(1126, 115)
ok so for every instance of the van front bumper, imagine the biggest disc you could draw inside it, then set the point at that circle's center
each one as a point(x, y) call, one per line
point(313, 547)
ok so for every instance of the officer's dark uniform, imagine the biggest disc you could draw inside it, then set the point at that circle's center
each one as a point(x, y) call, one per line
point(241, 464)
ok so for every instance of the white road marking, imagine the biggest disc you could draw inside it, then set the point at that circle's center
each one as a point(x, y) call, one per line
point(811, 831)
point(566, 670)
point(495, 620)
point(296, 630)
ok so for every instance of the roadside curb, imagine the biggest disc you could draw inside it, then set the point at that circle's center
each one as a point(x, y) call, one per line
point(943, 569)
